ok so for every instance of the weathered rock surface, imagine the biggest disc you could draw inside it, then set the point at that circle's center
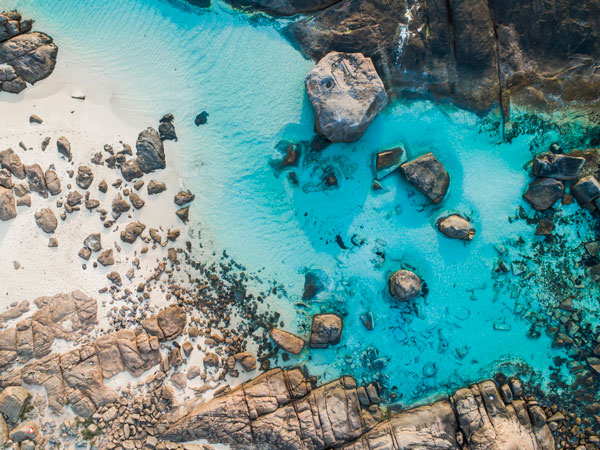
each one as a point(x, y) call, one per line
point(12, 402)
point(130, 170)
point(156, 187)
point(586, 190)
point(476, 53)
point(183, 197)
point(428, 175)
point(559, 167)
point(326, 330)
point(404, 285)
point(544, 192)
point(25, 57)
point(52, 182)
point(283, 410)
point(8, 206)
point(64, 147)
point(456, 227)
point(285, 7)
point(36, 179)
point(287, 341)
point(58, 317)
point(167, 324)
point(387, 161)
point(11, 161)
point(132, 232)
point(347, 95)
point(46, 220)
point(150, 151)
point(85, 177)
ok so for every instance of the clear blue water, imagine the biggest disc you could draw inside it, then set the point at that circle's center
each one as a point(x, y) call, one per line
point(160, 57)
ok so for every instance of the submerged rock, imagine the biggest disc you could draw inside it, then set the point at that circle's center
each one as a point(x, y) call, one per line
point(287, 341)
point(387, 161)
point(544, 192)
point(559, 167)
point(456, 227)
point(347, 95)
point(404, 285)
point(201, 118)
point(285, 7)
point(326, 330)
point(428, 175)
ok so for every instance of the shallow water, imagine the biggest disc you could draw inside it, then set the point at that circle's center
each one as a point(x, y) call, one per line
point(158, 57)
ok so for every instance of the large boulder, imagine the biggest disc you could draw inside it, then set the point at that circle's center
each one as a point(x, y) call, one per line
point(456, 227)
point(404, 285)
point(544, 192)
point(52, 182)
point(347, 94)
point(150, 151)
point(46, 220)
point(428, 175)
point(287, 341)
point(167, 324)
point(11, 161)
point(586, 190)
point(132, 232)
point(8, 206)
point(559, 167)
point(12, 402)
point(326, 330)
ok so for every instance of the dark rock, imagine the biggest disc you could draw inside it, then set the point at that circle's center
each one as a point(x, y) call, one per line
point(36, 180)
point(456, 227)
point(35, 119)
point(91, 204)
point(166, 130)
point(544, 192)
point(8, 208)
point(319, 143)
point(64, 147)
point(183, 214)
point(150, 151)
point(156, 187)
point(115, 278)
point(428, 175)
point(183, 197)
point(52, 182)
point(107, 258)
point(46, 220)
point(103, 186)
point(559, 167)
point(404, 285)
point(45, 143)
point(386, 161)
point(199, 3)
point(11, 161)
point(132, 232)
point(130, 170)
point(119, 204)
point(326, 330)
point(544, 228)
point(347, 94)
point(31, 55)
point(85, 177)
point(285, 7)
point(586, 190)
point(14, 86)
point(312, 285)
point(201, 118)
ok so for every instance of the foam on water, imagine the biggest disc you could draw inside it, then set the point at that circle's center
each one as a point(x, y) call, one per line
point(159, 57)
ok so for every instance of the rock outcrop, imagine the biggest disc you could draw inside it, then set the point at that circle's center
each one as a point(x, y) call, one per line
point(59, 317)
point(346, 93)
point(25, 56)
point(150, 151)
point(283, 410)
point(326, 330)
point(477, 53)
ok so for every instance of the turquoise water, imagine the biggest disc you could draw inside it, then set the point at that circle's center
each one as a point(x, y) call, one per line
point(160, 57)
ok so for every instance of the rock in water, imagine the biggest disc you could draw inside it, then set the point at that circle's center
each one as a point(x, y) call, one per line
point(347, 94)
point(287, 341)
point(150, 151)
point(46, 220)
point(8, 206)
point(386, 161)
point(456, 227)
point(201, 118)
point(284, 7)
point(404, 285)
point(544, 192)
point(559, 167)
point(428, 175)
point(326, 329)
point(586, 190)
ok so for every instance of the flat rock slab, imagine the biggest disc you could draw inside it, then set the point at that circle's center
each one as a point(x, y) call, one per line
point(559, 167)
point(544, 192)
point(387, 161)
point(347, 95)
point(287, 341)
point(587, 189)
point(428, 175)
